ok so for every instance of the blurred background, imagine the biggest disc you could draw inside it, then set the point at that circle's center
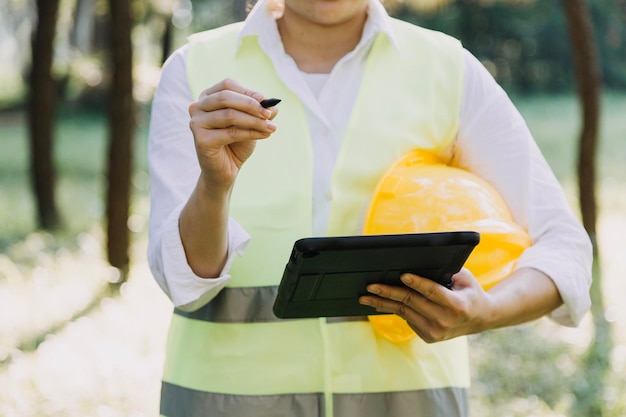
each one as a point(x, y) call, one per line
point(83, 325)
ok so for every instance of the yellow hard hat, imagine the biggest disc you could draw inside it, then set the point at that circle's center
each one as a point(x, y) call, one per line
point(418, 194)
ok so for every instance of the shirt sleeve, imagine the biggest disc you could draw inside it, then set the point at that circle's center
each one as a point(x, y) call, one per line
point(495, 143)
point(174, 171)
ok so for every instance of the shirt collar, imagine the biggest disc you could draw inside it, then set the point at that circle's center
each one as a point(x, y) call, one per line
point(262, 25)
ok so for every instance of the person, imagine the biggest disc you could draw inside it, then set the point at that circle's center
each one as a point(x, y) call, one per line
point(234, 184)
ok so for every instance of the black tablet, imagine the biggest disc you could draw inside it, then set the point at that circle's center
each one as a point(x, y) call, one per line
point(326, 275)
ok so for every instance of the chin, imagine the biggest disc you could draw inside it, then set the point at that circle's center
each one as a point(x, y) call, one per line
point(328, 12)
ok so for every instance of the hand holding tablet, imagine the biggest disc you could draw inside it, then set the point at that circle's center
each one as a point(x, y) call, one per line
point(326, 275)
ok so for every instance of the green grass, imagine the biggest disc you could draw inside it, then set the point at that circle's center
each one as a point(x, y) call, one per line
point(96, 365)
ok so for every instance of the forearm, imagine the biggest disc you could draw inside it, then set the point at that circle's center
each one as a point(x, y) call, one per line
point(526, 295)
point(203, 229)
point(495, 144)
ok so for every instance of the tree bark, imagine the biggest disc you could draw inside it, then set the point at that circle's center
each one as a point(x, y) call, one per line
point(41, 111)
point(589, 384)
point(167, 38)
point(587, 71)
point(121, 132)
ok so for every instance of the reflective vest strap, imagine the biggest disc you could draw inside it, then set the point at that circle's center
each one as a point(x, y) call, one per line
point(177, 401)
point(238, 305)
point(438, 402)
point(245, 305)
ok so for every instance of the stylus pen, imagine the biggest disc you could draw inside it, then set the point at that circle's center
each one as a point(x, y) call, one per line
point(270, 102)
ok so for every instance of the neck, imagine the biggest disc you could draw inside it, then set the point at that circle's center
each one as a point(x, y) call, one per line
point(316, 47)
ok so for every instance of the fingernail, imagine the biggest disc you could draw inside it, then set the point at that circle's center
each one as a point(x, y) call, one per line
point(270, 125)
point(407, 279)
point(365, 302)
point(373, 289)
point(266, 113)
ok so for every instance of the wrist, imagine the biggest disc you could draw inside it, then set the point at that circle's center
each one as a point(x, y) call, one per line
point(216, 192)
point(525, 295)
point(203, 226)
point(492, 313)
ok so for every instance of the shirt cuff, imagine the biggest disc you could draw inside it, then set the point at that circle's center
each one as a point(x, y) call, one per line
point(571, 277)
point(187, 290)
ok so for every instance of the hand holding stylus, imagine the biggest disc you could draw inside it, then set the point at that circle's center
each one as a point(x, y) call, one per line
point(226, 121)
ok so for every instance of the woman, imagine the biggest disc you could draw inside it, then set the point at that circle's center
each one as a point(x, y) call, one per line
point(231, 177)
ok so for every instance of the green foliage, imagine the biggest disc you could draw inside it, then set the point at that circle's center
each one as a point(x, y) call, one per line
point(525, 44)
point(609, 17)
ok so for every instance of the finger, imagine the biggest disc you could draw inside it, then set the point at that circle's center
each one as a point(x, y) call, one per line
point(223, 137)
point(233, 134)
point(382, 305)
point(274, 113)
point(401, 301)
point(418, 290)
point(430, 327)
point(227, 99)
point(421, 323)
point(464, 279)
point(228, 84)
point(229, 93)
point(225, 118)
point(394, 298)
point(429, 289)
point(396, 293)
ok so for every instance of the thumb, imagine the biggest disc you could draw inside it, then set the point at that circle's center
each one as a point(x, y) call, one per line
point(464, 279)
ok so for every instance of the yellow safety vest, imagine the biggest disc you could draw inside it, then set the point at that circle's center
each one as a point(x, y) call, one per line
point(233, 357)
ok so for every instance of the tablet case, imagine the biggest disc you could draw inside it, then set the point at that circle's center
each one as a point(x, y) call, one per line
point(325, 275)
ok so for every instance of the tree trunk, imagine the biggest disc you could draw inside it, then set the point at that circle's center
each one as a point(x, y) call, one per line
point(587, 71)
point(41, 110)
point(167, 39)
point(469, 20)
point(121, 132)
point(589, 385)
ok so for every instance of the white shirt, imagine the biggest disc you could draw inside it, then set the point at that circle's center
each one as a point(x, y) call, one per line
point(493, 142)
